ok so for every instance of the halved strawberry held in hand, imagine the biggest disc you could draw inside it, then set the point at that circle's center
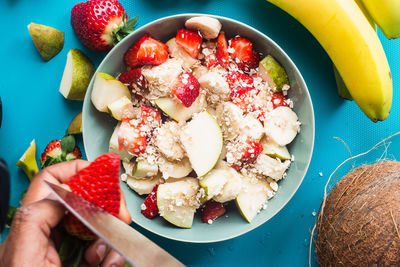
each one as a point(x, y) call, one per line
point(250, 152)
point(149, 208)
point(222, 50)
point(100, 24)
point(99, 184)
point(150, 116)
point(146, 51)
point(131, 137)
point(278, 100)
point(134, 78)
point(59, 151)
point(211, 211)
point(186, 88)
point(243, 53)
point(190, 41)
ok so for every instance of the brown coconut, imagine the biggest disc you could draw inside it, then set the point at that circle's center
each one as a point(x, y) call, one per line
point(360, 223)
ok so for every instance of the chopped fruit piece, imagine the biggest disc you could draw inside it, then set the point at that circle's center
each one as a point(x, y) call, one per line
point(272, 72)
point(131, 137)
point(134, 78)
point(178, 52)
point(176, 110)
point(114, 145)
point(281, 125)
point(249, 154)
point(121, 109)
point(211, 211)
point(272, 149)
point(251, 64)
point(150, 116)
point(278, 100)
point(150, 209)
point(222, 50)
point(130, 57)
point(48, 41)
point(144, 169)
point(190, 41)
point(99, 184)
point(151, 51)
point(237, 79)
point(208, 27)
point(142, 186)
point(242, 49)
point(211, 61)
point(243, 96)
point(186, 89)
point(59, 151)
point(75, 127)
point(28, 161)
point(175, 169)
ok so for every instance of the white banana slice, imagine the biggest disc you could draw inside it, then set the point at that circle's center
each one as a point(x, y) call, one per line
point(167, 141)
point(274, 168)
point(216, 86)
point(144, 169)
point(178, 52)
point(281, 125)
point(230, 117)
point(143, 186)
point(208, 27)
point(274, 150)
point(174, 169)
point(252, 128)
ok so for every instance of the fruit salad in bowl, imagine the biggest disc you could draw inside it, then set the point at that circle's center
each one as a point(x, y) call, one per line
point(205, 123)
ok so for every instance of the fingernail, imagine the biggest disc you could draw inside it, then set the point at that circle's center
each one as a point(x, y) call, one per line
point(101, 251)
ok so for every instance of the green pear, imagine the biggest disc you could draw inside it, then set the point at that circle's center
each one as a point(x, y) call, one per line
point(28, 161)
point(273, 73)
point(75, 127)
point(78, 72)
point(48, 41)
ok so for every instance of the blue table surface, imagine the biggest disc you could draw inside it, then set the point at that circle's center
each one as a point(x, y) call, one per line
point(34, 109)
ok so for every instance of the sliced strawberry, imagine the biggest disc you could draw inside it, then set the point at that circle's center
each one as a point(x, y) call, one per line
point(53, 149)
point(152, 51)
point(222, 50)
point(186, 88)
point(75, 154)
point(278, 100)
point(211, 61)
point(242, 49)
point(250, 152)
point(251, 64)
point(131, 137)
point(59, 151)
point(150, 209)
point(150, 116)
point(134, 78)
point(237, 79)
point(130, 57)
point(211, 211)
point(190, 41)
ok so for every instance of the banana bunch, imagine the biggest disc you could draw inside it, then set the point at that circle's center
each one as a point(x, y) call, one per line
point(346, 34)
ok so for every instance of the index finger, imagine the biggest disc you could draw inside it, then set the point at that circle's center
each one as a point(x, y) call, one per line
point(56, 174)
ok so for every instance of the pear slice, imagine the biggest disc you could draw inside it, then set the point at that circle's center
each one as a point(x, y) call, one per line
point(281, 125)
point(213, 182)
point(202, 141)
point(114, 146)
point(106, 90)
point(75, 127)
point(143, 186)
point(121, 108)
point(253, 197)
point(77, 74)
point(175, 169)
point(28, 161)
point(144, 169)
point(274, 150)
point(232, 187)
point(273, 73)
point(177, 201)
point(48, 41)
point(176, 110)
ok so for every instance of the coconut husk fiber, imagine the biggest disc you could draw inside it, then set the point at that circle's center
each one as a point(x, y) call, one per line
point(359, 223)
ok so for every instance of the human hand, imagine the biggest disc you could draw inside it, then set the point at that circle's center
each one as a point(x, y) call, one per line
point(29, 242)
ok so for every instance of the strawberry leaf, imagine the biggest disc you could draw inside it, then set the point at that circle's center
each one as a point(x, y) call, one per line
point(67, 144)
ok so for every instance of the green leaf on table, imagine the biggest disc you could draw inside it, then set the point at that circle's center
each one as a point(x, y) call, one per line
point(67, 144)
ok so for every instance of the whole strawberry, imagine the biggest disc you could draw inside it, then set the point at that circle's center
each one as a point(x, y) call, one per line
point(100, 24)
point(99, 184)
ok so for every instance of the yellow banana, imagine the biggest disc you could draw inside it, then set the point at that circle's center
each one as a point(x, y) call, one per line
point(352, 44)
point(386, 13)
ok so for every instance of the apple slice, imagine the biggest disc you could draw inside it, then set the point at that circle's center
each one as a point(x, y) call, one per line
point(176, 110)
point(175, 169)
point(253, 197)
point(114, 146)
point(144, 169)
point(75, 127)
point(106, 90)
point(143, 186)
point(272, 72)
point(274, 150)
point(202, 140)
point(177, 201)
point(77, 74)
point(121, 108)
point(28, 161)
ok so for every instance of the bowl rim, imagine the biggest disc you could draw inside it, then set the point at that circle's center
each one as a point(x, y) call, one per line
point(87, 101)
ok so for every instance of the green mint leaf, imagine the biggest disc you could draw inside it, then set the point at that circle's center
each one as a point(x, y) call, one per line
point(68, 144)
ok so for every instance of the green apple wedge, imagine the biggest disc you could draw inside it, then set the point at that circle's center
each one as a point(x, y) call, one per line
point(28, 161)
point(176, 110)
point(177, 202)
point(114, 146)
point(202, 140)
point(253, 197)
point(75, 127)
point(48, 41)
point(143, 186)
point(274, 150)
point(77, 74)
point(272, 72)
point(106, 90)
